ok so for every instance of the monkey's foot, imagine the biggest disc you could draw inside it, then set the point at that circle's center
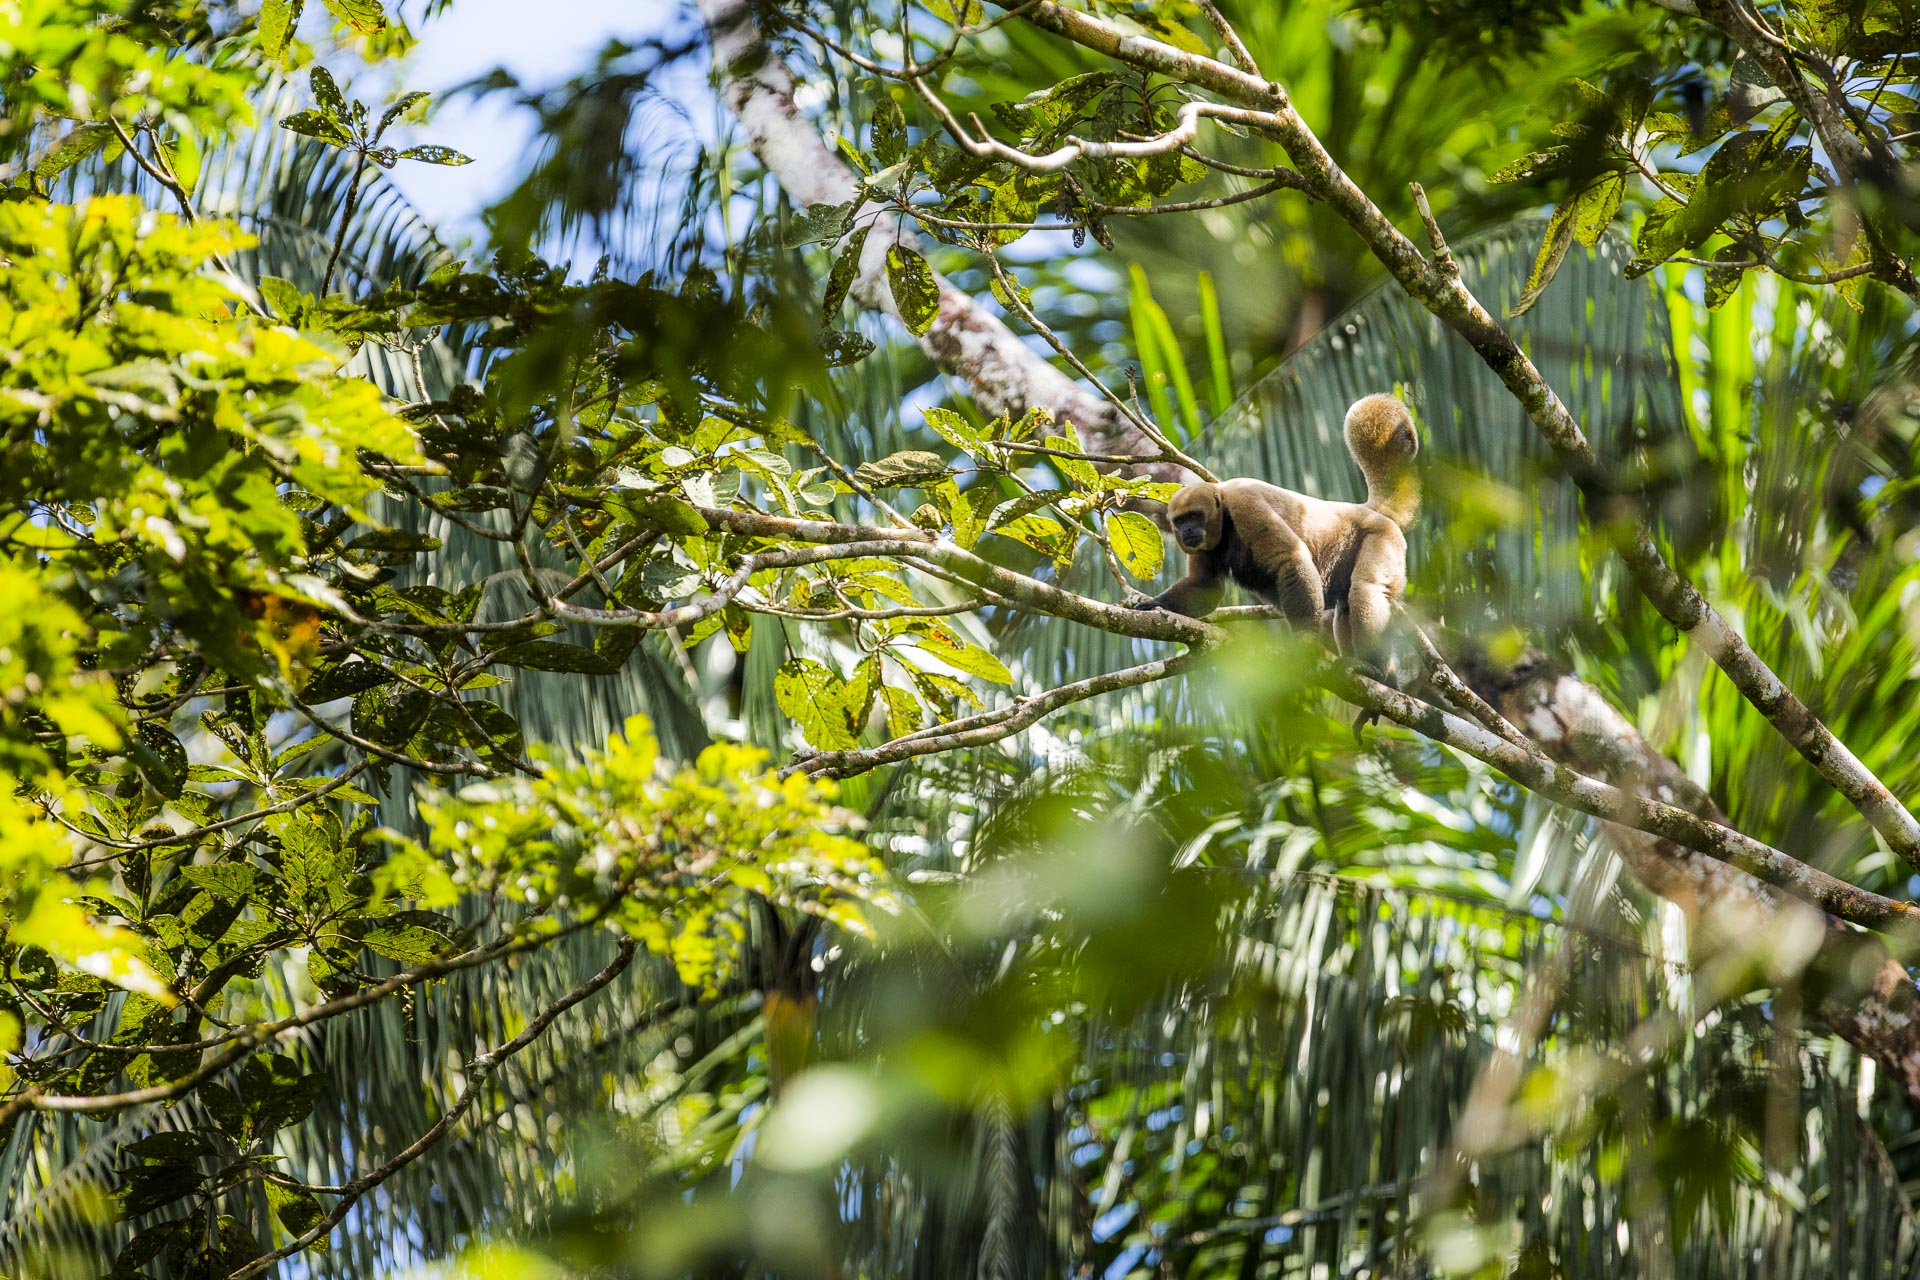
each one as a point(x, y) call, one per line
point(1366, 717)
point(1372, 671)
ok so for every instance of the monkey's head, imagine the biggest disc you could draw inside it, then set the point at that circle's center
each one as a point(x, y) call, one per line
point(1194, 514)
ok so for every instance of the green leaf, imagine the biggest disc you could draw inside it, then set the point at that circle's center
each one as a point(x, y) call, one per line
point(364, 16)
point(343, 680)
point(430, 154)
point(1597, 208)
point(1044, 534)
point(550, 655)
point(317, 124)
point(314, 861)
point(1540, 164)
point(916, 295)
point(161, 757)
point(662, 511)
point(73, 146)
point(954, 429)
point(959, 654)
point(327, 93)
point(909, 468)
point(1136, 541)
point(395, 542)
point(1722, 282)
point(820, 224)
point(1024, 505)
point(846, 269)
point(842, 347)
point(407, 944)
point(182, 153)
point(297, 1210)
point(814, 698)
point(278, 18)
point(275, 1092)
point(957, 12)
point(288, 301)
point(1662, 232)
point(1078, 470)
point(229, 881)
point(401, 106)
point(889, 129)
point(1553, 251)
point(903, 711)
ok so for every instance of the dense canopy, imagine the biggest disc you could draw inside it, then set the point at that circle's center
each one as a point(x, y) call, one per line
point(621, 740)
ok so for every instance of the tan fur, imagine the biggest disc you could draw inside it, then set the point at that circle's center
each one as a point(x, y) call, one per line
point(1341, 565)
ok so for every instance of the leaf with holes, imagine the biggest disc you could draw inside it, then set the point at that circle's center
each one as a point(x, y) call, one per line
point(320, 125)
point(954, 429)
point(889, 129)
point(364, 16)
point(1136, 541)
point(430, 154)
point(842, 347)
point(400, 107)
point(160, 756)
point(1078, 470)
point(326, 92)
point(916, 294)
point(815, 699)
point(846, 269)
point(910, 468)
point(278, 18)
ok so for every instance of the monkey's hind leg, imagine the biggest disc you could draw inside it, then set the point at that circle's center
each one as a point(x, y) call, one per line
point(1379, 580)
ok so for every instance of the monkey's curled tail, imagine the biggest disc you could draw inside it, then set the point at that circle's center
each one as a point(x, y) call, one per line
point(1382, 440)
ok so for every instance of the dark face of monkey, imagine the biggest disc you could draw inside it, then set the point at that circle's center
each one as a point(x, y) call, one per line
point(1194, 514)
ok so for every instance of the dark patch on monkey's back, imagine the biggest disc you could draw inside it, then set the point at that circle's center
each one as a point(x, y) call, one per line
point(1237, 560)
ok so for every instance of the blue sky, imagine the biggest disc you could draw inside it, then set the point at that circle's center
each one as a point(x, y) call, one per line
point(476, 36)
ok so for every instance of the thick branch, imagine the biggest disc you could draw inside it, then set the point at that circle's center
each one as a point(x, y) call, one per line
point(1678, 600)
point(1644, 814)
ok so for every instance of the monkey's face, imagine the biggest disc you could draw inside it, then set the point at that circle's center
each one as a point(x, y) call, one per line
point(1194, 514)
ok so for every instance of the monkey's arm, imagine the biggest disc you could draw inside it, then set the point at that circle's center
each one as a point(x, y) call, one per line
point(1194, 596)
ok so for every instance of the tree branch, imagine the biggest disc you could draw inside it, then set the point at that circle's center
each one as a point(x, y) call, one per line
point(965, 339)
point(1727, 910)
point(477, 1070)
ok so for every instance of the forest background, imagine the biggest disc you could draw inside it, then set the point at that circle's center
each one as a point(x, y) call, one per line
point(611, 738)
